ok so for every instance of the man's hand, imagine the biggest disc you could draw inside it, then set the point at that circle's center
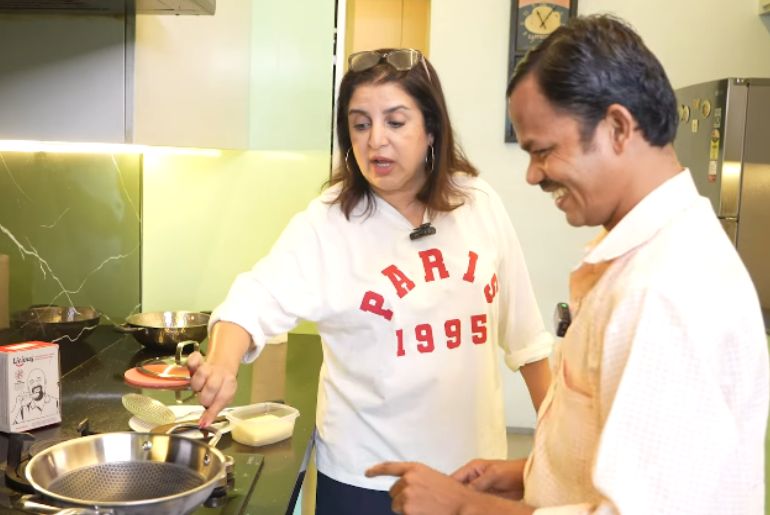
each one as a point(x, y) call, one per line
point(421, 489)
point(424, 491)
point(504, 478)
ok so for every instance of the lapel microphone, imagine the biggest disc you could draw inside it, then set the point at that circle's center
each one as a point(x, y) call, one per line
point(423, 230)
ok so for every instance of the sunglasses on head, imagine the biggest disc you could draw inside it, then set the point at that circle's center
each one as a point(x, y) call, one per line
point(403, 59)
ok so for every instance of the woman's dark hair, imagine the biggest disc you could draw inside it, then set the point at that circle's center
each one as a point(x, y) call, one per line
point(439, 193)
point(595, 61)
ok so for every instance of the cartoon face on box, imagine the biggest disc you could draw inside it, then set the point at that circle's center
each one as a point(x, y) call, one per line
point(35, 402)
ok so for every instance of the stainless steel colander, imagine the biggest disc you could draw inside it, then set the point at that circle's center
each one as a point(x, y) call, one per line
point(148, 409)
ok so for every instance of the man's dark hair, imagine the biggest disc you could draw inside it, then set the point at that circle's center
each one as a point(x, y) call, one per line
point(595, 61)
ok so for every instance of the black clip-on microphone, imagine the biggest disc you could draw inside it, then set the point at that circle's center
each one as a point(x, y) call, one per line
point(425, 229)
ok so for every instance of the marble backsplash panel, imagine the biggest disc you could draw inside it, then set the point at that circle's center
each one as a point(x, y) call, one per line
point(71, 226)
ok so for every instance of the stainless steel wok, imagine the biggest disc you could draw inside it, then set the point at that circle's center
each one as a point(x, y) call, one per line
point(163, 330)
point(56, 323)
point(129, 473)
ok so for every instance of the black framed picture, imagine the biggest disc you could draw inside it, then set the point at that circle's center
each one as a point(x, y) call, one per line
point(531, 22)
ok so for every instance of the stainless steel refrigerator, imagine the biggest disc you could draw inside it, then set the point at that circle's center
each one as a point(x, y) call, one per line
point(724, 139)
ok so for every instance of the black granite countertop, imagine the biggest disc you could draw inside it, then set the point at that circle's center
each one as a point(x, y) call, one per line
point(71, 354)
point(92, 386)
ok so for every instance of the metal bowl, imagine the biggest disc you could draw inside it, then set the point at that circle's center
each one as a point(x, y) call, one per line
point(56, 323)
point(163, 330)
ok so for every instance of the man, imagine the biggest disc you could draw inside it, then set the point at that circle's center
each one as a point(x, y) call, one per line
point(35, 402)
point(660, 399)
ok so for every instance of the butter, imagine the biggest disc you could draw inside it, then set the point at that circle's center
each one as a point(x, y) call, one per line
point(262, 430)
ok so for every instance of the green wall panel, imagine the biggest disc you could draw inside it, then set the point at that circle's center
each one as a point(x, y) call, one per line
point(292, 75)
point(70, 224)
point(207, 219)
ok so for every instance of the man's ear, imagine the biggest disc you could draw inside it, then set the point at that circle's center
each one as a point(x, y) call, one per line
point(621, 124)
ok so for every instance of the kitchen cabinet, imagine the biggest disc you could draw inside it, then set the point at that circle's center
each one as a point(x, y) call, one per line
point(192, 78)
point(253, 76)
point(63, 77)
point(387, 24)
point(109, 6)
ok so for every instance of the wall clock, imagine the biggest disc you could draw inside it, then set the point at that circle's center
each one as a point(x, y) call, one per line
point(534, 20)
point(531, 22)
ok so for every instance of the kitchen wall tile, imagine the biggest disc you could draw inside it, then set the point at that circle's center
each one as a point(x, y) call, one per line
point(70, 224)
point(207, 219)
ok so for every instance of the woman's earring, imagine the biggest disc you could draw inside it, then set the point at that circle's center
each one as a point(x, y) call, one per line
point(432, 160)
point(347, 167)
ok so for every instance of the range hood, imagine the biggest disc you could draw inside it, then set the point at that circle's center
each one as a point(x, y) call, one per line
point(109, 6)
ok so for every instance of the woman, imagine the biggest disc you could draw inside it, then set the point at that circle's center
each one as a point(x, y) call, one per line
point(411, 269)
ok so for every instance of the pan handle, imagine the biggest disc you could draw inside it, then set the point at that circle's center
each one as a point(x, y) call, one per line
point(164, 429)
point(186, 426)
point(27, 502)
point(181, 346)
point(123, 328)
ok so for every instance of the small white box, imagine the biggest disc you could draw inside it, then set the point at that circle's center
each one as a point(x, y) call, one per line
point(29, 386)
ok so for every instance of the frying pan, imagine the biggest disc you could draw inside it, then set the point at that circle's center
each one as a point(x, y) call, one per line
point(163, 330)
point(52, 323)
point(128, 473)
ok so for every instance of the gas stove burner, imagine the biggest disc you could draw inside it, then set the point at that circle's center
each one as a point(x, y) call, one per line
point(22, 446)
point(17, 461)
point(218, 497)
point(15, 479)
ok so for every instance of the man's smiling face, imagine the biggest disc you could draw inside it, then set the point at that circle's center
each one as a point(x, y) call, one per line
point(579, 176)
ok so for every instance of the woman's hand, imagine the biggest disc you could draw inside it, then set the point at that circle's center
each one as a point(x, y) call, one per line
point(213, 378)
point(504, 478)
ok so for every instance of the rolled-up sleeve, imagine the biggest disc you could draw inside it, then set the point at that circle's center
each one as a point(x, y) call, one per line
point(280, 290)
point(523, 336)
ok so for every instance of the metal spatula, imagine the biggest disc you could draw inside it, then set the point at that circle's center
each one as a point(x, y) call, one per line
point(163, 429)
point(148, 409)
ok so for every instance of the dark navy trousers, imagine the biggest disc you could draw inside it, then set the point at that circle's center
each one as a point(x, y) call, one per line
point(335, 498)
